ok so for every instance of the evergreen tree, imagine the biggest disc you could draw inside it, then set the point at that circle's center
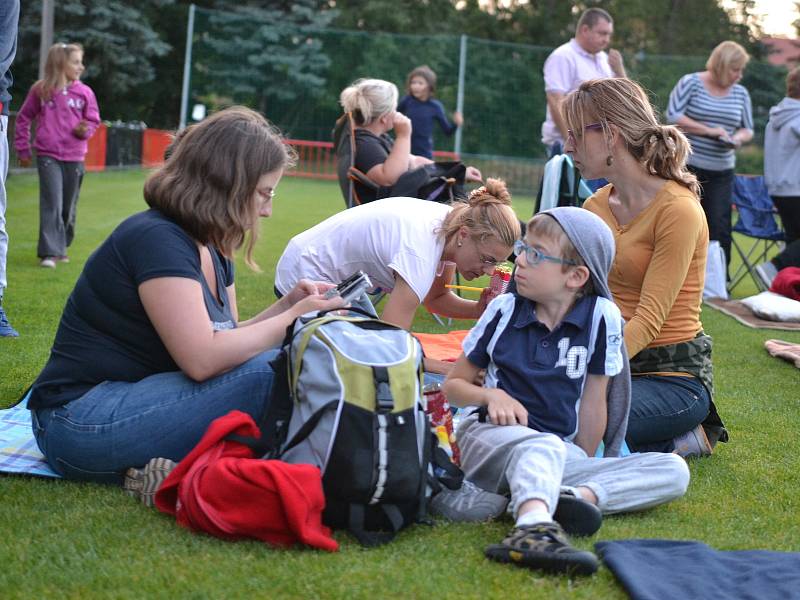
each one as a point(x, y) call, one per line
point(120, 45)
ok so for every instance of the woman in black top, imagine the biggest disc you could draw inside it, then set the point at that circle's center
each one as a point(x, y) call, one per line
point(372, 104)
point(150, 348)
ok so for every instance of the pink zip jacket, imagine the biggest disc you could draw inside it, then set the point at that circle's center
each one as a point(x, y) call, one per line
point(55, 121)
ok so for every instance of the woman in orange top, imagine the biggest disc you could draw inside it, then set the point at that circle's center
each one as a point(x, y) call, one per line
point(658, 274)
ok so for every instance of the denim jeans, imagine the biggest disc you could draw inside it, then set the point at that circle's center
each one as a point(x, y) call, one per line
point(662, 408)
point(117, 425)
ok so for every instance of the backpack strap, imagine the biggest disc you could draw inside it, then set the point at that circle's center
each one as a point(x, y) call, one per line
point(356, 524)
point(309, 426)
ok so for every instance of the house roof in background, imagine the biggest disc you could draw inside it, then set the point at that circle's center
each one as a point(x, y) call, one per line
point(782, 51)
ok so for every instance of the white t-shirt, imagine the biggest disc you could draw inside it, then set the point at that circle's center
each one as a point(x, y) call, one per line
point(394, 235)
point(567, 67)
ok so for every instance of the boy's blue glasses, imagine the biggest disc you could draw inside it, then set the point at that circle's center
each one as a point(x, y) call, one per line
point(534, 256)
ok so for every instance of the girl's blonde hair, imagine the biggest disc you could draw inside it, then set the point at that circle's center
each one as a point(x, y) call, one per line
point(54, 67)
point(427, 74)
point(368, 100)
point(486, 214)
point(662, 149)
point(208, 184)
point(726, 55)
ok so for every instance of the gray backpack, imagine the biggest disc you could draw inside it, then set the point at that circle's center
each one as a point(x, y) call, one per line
point(357, 413)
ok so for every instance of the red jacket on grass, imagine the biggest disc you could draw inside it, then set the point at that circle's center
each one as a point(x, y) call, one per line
point(220, 489)
point(787, 283)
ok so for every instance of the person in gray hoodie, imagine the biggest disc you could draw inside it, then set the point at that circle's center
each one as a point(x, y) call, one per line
point(782, 174)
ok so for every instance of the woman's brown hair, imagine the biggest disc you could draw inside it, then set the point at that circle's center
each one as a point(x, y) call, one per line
point(54, 66)
point(662, 149)
point(487, 213)
point(208, 184)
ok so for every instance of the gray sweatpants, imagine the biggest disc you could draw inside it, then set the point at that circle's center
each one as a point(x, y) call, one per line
point(532, 465)
point(59, 186)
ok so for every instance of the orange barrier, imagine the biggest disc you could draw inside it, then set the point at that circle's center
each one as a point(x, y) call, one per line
point(154, 143)
point(96, 153)
point(316, 160)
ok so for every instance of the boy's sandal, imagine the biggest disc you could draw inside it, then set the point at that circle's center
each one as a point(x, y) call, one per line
point(576, 515)
point(543, 546)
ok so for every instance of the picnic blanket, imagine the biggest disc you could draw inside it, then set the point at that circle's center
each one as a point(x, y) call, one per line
point(18, 450)
point(745, 316)
point(658, 569)
point(785, 350)
point(442, 346)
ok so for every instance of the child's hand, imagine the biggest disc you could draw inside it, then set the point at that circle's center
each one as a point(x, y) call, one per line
point(487, 295)
point(80, 129)
point(503, 409)
point(458, 119)
point(24, 162)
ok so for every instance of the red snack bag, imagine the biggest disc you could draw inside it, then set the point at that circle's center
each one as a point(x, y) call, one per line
point(438, 409)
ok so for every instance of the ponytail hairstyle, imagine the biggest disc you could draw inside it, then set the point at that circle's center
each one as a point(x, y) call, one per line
point(661, 149)
point(487, 213)
point(426, 73)
point(369, 99)
point(54, 67)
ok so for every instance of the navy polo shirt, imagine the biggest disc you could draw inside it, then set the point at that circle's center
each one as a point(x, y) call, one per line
point(546, 370)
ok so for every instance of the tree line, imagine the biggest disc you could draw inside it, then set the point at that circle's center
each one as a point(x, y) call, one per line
point(271, 52)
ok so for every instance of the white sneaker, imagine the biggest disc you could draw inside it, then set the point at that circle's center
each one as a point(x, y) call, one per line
point(468, 503)
point(47, 262)
point(766, 272)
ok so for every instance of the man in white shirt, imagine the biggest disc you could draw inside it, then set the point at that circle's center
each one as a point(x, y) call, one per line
point(571, 64)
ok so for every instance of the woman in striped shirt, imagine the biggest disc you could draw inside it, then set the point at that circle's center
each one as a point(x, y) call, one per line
point(716, 114)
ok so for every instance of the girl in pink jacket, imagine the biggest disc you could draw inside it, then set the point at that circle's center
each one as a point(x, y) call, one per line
point(66, 115)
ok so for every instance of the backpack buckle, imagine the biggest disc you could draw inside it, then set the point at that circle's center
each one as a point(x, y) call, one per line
point(383, 392)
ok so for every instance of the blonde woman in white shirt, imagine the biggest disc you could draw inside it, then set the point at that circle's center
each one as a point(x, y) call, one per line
point(403, 245)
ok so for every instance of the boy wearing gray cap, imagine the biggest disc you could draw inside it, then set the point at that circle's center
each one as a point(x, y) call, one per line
point(557, 384)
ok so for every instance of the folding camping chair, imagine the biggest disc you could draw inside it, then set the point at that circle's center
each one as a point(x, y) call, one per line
point(438, 182)
point(756, 220)
point(561, 185)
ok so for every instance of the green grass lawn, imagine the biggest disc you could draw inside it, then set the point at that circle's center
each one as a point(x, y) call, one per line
point(70, 540)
